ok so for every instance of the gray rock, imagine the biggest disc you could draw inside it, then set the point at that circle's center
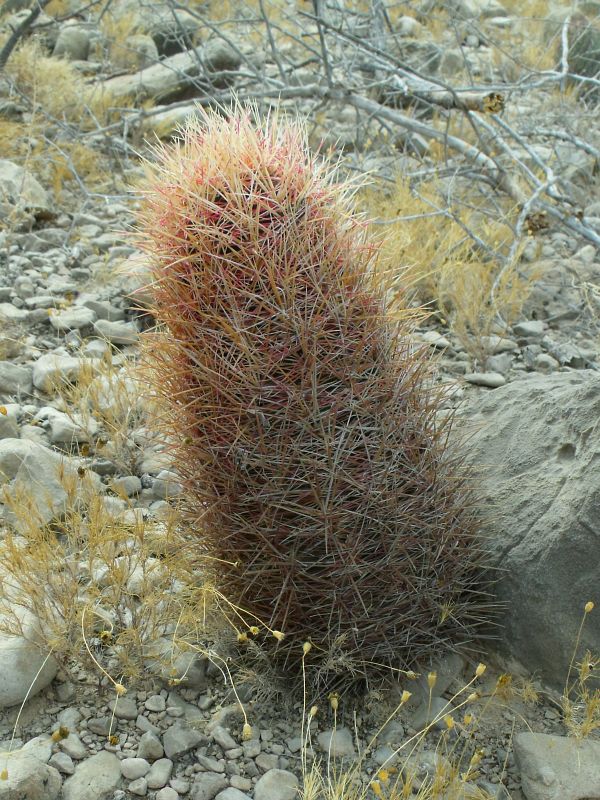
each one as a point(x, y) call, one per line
point(9, 426)
point(545, 363)
point(337, 742)
point(10, 313)
point(429, 711)
point(266, 761)
point(104, 310)
point(178, 740)
point(72, 319)
point(117, 332)
point(94, 779)
point(277, 784)
point(207, 786)
point(51, 368)
point(27, 466)
point(73, 43)
point(167, 794)
point(137, 52)
point(19, 188)
point(124, 708)
point(132, 768)
point(63, 763)
point(498, 344)
point(25, 668)
point(159, 773)
point(566, 354)
point(73, 747)
point(101, 726)
point(173, 31)
point(155, 702)
point(232, 794)
point(139, 787)
point(166, 484)
point(554, 767)
point(490, 379)
point(223, 738)
point(536, 448)
point(15, 379)
point(532, 329)
point(150, 747)
point(29, 778)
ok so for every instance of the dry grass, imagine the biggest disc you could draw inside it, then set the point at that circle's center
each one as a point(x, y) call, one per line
point(434, 261)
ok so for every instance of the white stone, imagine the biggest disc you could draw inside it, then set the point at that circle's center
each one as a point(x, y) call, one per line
point(11, 313)
point(14, 378)
point(117, 332)
point(29, 778)
point(52, 368)
point(490, 379)
point(337, 742)
point(277, 784)
point(94, 779)
point(132, 768)
point(159, 773)
point(19, 188)
point(557, 767)
point(25, 668)
point(72, 319)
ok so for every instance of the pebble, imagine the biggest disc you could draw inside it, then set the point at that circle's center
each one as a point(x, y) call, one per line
point(94, 778)
point(139, 787)
point(72, 319)
point(232, 794)
point(15, 379)
point(223, 738)
point(156, 702)
point(490, 379)
point(532, 329)
point(123, 707)
point(73, 747)
point(63, 763)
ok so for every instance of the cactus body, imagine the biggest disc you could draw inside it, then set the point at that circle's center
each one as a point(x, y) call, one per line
point(303, 419)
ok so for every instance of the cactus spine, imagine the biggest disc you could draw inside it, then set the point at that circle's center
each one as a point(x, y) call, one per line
point(302, 418)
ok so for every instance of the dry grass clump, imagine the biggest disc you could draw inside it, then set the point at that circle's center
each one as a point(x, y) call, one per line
point(116, 594)
point(432, 259)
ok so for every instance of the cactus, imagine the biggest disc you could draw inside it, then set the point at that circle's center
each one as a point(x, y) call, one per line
point(302, 417)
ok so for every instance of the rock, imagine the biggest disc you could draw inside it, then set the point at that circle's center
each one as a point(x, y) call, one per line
point(155, 702)
point(173, 75)
point(139, 787)
point(14, 379)
point(63, 763)
point(71, 319)
point(223, 738)
point(150, 747)
point(532, 329)
point(124, 708)
point(73, 43)
point(29, 778)
point(10, 313)
point(166, 485)
point(132, 768)
point(101, 726)
point(428, 711)
point(167, 794)
point(435, 339)
point(178, 740)
point(497, 344)
point(337, 743)
point(545, 363)
point(25, 464)
point(117, 332)
point(21, 659)
point(73, 747)
point(9, 426)
point(232, 794)
point(51, 368)
point(137, 52)
point(277, 784)
point(159, 773)
point(94, 779)
point(19, 188)
point(207, 786)
point(173, 31)
point(565, 353)
point(536, 452)
point(555, 767)
point(490, 379)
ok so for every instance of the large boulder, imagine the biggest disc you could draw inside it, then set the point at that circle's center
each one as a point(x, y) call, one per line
point(536, 449)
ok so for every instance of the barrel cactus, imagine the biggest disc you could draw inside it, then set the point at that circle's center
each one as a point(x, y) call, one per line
point(303, 420)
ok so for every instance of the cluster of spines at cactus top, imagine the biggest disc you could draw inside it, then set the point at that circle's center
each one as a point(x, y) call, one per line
point(302, 418)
